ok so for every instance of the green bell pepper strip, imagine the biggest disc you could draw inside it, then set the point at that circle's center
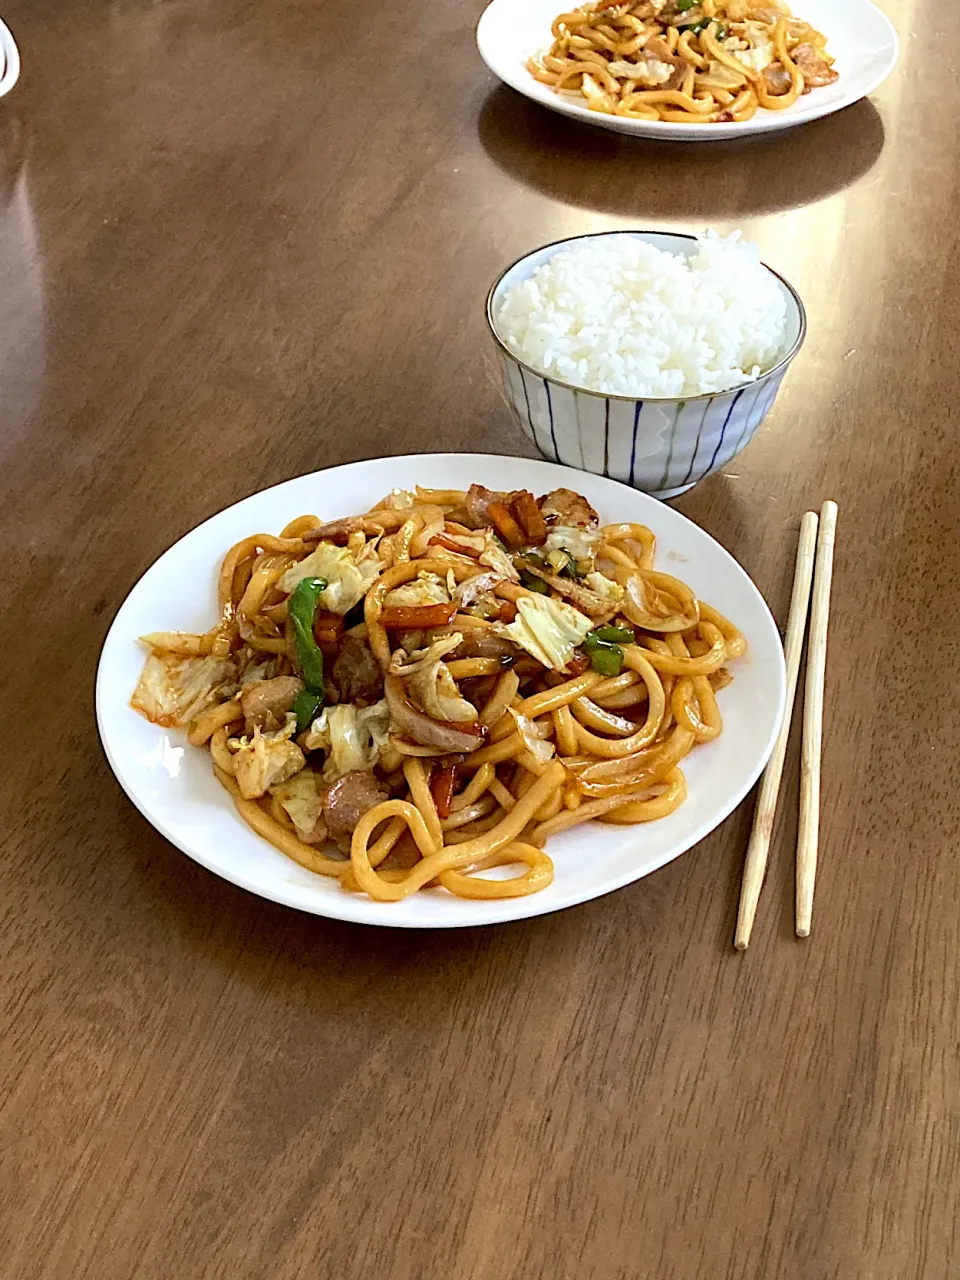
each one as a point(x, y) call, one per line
point(614, 635)
point(697, 27)
point(603, 646)
point(301, 608)
point(606, 658)
point(533, 583)
point(306, 707)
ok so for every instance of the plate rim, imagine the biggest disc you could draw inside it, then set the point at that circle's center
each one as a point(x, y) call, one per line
point(654, 130)
point(495, 911)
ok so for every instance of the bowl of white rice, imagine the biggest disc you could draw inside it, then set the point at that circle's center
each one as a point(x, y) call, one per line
point(648, 357)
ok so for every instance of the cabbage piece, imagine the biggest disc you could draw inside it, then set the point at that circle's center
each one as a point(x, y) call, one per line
point(597, 98)
point(469, 541)
point(604, 587)
point(759, 57)
point(547, 629)
point(396, 500)
point(424, 589)
point(283, 734)
point(263, 760)
point(172, 690)
point(303, 801)
point(494, 557)
point(435, 689)
point(433, 524)
point(473, 589)
point(541, 750)
point(348, 575)
point(421, 658)
point(351, 736)
point(649, 71)
point(580, 544)
point(719, 76)
point(182, 643)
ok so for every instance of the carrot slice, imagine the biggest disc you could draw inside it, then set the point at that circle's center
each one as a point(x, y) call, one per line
point(418, 617)
point(505, 525)
point(441, 788)
point(530, 518)
point(327, 627)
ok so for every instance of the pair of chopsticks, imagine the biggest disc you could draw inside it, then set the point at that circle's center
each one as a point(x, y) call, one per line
point(813, 552)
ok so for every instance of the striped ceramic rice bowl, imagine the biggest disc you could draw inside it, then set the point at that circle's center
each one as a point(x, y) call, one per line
point(722, 347)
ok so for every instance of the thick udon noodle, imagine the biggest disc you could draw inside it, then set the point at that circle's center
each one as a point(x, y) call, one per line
point(618, 741)
point(612, 55)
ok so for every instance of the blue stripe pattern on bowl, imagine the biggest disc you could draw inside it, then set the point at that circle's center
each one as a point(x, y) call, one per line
point(663, 447)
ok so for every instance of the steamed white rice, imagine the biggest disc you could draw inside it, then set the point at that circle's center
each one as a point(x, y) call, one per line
point(615, 315)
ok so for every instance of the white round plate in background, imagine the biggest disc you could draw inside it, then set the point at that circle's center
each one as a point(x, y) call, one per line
point(173, 785)
point(860, 37)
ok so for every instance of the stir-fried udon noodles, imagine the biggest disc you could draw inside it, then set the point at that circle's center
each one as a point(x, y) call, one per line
point(414, 696)
point(682, 61)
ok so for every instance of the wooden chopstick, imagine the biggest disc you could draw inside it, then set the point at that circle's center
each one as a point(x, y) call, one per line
point(759, 846)
point(809, 831)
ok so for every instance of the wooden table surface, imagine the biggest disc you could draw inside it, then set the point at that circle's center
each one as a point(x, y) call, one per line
point(244, 239)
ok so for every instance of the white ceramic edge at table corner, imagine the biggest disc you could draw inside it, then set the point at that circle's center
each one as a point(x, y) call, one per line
point(10, 66)
point(509, 31)
point(173, 785)
point(572, 412)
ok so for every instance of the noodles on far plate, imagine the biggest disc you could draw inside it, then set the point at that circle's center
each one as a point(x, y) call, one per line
point(690, 63)
point(428, 691)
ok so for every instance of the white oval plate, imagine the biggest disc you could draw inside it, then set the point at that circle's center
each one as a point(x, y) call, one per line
point(861, 38)
point(173, 786)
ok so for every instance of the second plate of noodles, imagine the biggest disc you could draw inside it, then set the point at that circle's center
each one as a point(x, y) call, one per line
point(685, 61)
point(418, 704)
point(690, 70)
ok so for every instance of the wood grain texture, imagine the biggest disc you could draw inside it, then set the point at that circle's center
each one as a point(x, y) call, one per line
point(228, 256)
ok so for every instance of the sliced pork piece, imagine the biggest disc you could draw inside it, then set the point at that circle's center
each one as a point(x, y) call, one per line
point(816, 72)
point(777, 79)
point(356, 673)
point(348, 800)
point(266, 702)
point(477, 503)
point(676, 79)
point(563, 506)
